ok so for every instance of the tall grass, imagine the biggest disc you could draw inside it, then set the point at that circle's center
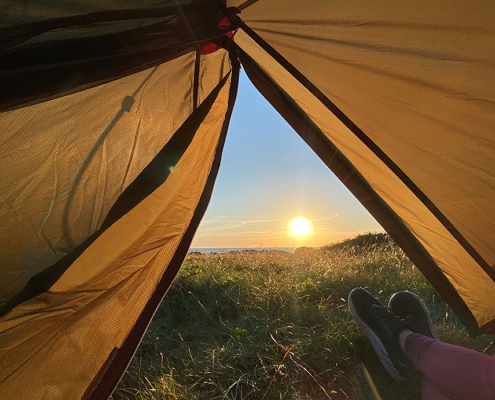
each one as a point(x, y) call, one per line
point(276, 325)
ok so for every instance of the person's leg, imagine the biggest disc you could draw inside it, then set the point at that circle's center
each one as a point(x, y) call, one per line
point(430, 392)
point(448, 371)
point(452, 370)
point(410, 308)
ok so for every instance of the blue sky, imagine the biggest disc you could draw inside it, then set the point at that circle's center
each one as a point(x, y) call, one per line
point(269, 176)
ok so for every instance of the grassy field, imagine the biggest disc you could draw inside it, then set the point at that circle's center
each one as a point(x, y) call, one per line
point(276, 325)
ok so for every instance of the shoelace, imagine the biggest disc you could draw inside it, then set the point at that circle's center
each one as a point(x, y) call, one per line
point(388, 318)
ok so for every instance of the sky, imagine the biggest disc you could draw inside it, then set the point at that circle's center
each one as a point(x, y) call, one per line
point(268, 176)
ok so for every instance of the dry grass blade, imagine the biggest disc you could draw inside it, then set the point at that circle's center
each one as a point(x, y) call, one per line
point(310, 375)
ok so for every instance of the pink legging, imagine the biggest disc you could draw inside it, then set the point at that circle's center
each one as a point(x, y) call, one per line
point(451, 372)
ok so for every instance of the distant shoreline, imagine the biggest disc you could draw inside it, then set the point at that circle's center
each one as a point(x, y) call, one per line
point(206, 250)
point(361, 241)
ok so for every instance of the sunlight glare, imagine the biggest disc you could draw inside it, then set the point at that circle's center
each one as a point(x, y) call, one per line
point(300, 226)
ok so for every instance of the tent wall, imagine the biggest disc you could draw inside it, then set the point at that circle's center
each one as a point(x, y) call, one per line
point(417, 78)
point(91, 310)
point(351, 76)
point(89, 147)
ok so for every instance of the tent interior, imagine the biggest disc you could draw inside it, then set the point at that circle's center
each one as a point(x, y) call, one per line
point(113, 119)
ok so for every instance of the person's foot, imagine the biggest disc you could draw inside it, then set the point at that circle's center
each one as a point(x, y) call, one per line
point(382, 328)
point(409, 307)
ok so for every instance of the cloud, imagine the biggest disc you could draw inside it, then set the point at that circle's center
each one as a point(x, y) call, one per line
point(244, 233)
point(231, 224)
point(326, 218)
point(213, 220)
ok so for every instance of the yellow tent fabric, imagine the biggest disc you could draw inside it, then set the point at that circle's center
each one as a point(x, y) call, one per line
point(413, 90)
point(115, 276)
point(431, 63)
point(462, 271)
point(113, 117)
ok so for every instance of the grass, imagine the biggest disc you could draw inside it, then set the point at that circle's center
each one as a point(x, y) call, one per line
point(276, 325)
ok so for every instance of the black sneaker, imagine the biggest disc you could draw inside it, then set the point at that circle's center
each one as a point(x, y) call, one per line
point(409, 307)
point(382, 328)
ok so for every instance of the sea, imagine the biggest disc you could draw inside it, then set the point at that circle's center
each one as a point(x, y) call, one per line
point(231, 249)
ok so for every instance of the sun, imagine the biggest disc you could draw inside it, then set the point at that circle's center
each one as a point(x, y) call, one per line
point(300, 226)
